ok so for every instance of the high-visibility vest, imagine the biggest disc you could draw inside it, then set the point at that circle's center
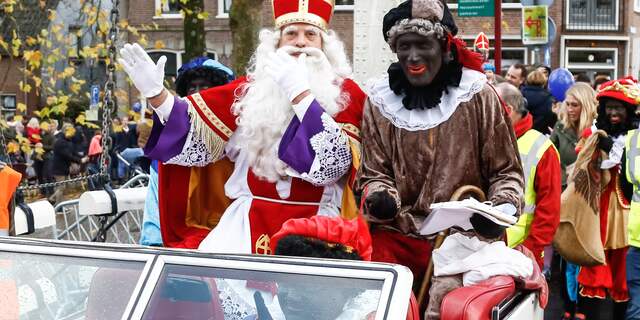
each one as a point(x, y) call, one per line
point(632, 145)
point(532, 146)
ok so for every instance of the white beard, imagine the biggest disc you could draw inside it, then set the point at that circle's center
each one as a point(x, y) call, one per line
point(264, 112)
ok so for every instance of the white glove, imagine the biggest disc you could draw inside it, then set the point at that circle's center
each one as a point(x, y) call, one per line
point(290, 74)
point(507, 208)
point(145, 74)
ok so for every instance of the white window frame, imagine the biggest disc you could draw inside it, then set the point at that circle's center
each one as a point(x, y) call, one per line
point(569, 26)
point(215, 54)
point(636, 6)
point(158, 8)
point(178, 54)
point(15, 98)
point(508, 6)
point(593, 66)
point(221, 14)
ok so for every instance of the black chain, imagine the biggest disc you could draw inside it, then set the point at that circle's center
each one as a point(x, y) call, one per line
point(110, 103)
point(60, 183)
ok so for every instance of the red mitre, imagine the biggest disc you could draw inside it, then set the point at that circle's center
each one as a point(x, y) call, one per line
point(625, 89)
point(313, 12)
point(352, 234)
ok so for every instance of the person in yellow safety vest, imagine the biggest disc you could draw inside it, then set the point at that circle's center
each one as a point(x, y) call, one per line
point(632, 147)
point(542, 179)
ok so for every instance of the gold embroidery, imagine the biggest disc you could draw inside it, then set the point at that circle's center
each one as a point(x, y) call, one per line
point(214, 143)
point(215, 121)
point(263, 245)
point(348, 127)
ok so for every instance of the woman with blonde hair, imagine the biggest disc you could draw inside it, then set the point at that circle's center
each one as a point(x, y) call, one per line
point(577, 113)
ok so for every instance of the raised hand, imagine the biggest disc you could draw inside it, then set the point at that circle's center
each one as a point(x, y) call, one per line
point(147, 76)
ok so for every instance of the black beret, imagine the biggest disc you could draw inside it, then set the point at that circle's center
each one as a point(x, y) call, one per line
point(403, 11)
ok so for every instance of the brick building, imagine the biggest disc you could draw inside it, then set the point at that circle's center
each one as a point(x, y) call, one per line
point(218, 34)
point(593, 37)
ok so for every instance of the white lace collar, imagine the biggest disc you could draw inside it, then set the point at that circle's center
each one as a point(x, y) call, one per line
point(390, 104)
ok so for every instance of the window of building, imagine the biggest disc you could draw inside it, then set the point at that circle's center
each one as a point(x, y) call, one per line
point(346, 5)
point(592, 61)
point(510, 56)
point(636, 5)
point(592, 14)
point(224, 6)
point(173, 62)
point(212, 55)
point(8, 101)
point(168, 9)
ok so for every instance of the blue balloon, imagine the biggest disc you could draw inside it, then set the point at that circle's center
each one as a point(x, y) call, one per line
point(560, 80)
point(137, 107)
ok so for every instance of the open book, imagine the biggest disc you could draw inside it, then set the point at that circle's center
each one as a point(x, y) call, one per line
point(457, 213)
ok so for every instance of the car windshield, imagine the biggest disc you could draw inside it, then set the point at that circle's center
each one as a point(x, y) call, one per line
point(35, 286)
point(194, 292)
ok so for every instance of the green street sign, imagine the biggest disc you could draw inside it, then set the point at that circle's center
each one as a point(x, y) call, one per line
point(476, 8)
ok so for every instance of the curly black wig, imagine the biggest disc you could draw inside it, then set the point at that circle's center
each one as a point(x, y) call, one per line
point(214, 76)
point(299, 246)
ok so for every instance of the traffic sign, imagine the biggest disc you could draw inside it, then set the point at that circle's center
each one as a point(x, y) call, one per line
point(95, 96)
point(535, 29)
point(476, 8)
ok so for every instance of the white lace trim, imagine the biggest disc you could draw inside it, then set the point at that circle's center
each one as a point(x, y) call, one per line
point(333, 157)
point(233, 305)
point(194, 152)
point(391, 107)
point(361, 306)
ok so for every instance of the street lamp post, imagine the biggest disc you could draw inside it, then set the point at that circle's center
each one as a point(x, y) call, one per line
point(497, 53)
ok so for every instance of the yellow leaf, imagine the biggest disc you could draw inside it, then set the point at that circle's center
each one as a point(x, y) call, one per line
point(8, 9)
point(52, 100)
point(44, 33)
point(52, 14)
point(81, 119)
point(33, 57)
point(21, 107)
point(123, 24)
point(37, 81)
point(12, 147)
point(31, 41)
point(159, 44)
point(75, 88)
point(17, 117)
point(24, 87)
point(143, 41)
point(203, 15)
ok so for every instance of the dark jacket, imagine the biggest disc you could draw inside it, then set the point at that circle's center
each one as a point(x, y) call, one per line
point(565, 141)
point(63, 155)
point(539, 102)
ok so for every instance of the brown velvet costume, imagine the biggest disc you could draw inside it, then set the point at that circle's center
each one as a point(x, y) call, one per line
point(475, 146)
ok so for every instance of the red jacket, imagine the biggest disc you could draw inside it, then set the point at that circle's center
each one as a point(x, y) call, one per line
point(31, 132)
point(548, 186)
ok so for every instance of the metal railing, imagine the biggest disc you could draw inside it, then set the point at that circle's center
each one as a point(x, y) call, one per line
point(72, 225)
